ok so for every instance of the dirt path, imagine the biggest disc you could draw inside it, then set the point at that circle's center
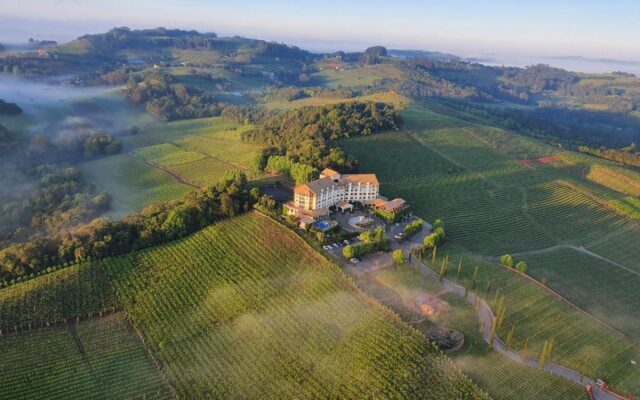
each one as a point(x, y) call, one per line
point(580, 249)
point(438, 152)
point(167, 171)
point(71, 328)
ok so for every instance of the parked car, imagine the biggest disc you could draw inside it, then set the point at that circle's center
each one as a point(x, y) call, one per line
point(354, 260)
point(345, 241)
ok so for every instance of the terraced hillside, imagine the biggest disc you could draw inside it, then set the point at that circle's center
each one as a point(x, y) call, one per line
point(244, 309)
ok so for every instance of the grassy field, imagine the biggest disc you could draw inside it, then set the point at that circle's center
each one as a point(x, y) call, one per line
point(58, 297)
point(352, 77)
point(580, 342)
point(100, 359)
point(382, 97)
point(244, 309)
point(399, 287)
point(602, 288)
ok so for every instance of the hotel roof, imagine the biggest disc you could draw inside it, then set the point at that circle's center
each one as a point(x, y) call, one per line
point(360, 178)
point(317, 186)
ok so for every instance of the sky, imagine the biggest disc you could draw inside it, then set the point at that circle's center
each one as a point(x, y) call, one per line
point(589, 28)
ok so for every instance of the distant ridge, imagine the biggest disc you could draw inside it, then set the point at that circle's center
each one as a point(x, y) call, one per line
point(436, 55)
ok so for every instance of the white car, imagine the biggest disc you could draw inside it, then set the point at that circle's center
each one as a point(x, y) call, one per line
point(354, 260)
point(345, 241)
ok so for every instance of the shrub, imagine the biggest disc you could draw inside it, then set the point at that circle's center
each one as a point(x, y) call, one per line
point(522, 267)
point(413, 227)
point(507, 260)
point(398, 257)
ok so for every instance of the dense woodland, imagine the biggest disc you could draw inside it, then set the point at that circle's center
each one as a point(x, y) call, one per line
point(171, 101)
point(60, 199)
point(41, 192)
point(303, 136)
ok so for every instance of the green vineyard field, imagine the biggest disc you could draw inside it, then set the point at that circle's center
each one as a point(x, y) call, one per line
point(244, 309)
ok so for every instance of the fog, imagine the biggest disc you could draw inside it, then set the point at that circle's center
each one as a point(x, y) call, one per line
point(51, 108)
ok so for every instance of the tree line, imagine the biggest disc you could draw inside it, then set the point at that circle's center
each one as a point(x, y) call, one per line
point(154, 225)
point(627, 155)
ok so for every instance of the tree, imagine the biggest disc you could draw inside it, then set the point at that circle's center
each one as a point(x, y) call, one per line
point(398, 257)
point(444, 267)
point(525, 350)
point(507, 260)
point(459, 267)
point(521, 266)
point(429, 241)
point(348, 252)
point(492, 335)
point(474, 280)
point(433, 256)
point(543, 356)
point(509, 343)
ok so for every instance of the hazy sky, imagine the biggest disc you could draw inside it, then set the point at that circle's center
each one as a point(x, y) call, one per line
point(609, 29)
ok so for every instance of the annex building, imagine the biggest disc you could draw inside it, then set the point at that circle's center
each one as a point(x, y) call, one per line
point(312, 200)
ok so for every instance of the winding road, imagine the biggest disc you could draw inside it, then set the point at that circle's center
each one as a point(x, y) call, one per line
point(486, 314)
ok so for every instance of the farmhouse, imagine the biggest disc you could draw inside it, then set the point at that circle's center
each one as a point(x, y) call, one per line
point(313, 199)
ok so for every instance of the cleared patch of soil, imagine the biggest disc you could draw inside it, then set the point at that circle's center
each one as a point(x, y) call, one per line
point(431, 306)
point(531, 162)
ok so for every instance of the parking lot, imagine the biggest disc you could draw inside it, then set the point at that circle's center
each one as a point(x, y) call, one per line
point(375, 261)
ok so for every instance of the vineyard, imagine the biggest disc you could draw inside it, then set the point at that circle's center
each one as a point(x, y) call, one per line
point(132, 184)
point(77, 292)
point(514, 194)
point(99, 358)
point(244, 309)
point(402, 153)
point(611, 292)
point(620, 180)
point(579, 342)
point(168, 160)
point(399, 287)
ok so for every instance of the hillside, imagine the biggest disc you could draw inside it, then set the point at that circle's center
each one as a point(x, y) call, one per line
point(252, 312)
